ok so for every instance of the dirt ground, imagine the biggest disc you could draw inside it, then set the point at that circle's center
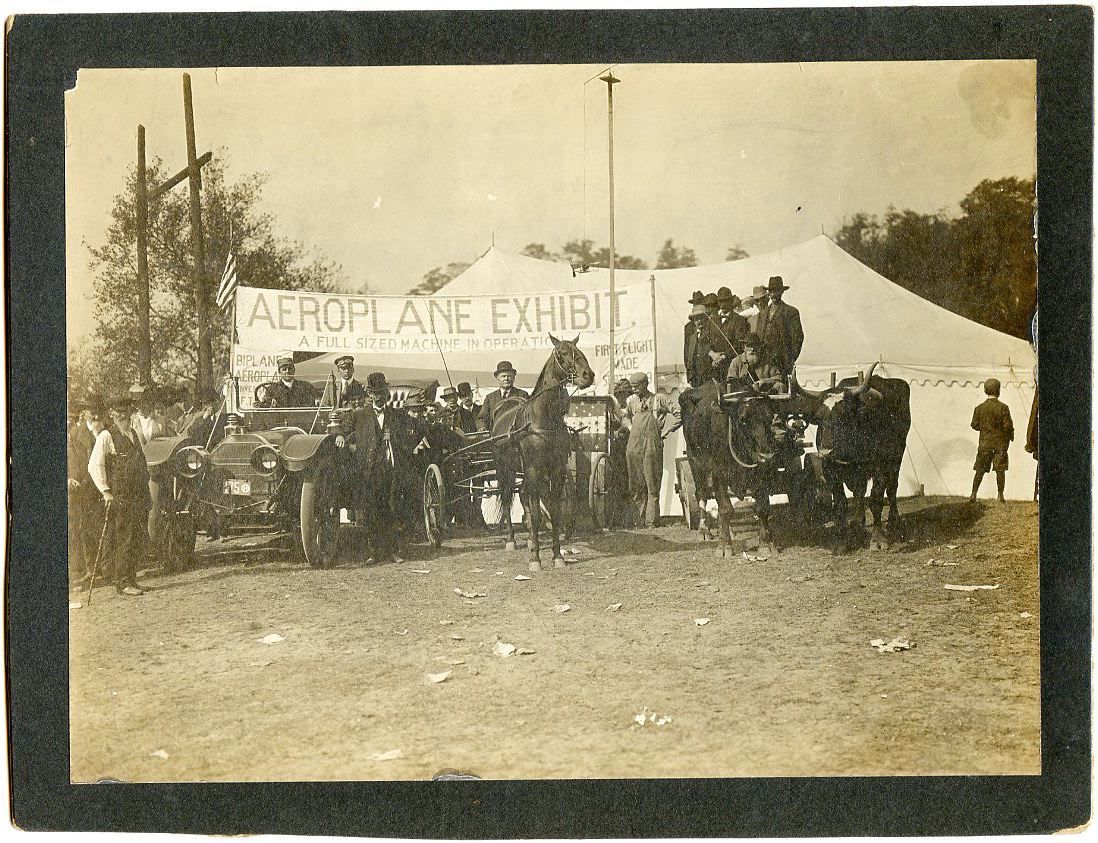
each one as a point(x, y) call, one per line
point(781, 680)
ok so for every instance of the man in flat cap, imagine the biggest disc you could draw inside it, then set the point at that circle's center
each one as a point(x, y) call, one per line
point(992, 420)
point(646, 416)
point(779, 328)
point(118, 469)
point(287, 391)
point(349, 392)
point(505, 377)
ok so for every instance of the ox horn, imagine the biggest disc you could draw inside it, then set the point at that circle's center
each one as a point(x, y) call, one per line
point(864, 385)
point(800, 390)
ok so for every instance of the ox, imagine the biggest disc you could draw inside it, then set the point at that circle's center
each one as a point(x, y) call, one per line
point(862, 426)
point(739, 447)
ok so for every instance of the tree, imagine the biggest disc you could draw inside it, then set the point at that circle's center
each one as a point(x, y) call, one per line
point(982, 265)
point(736, 253)
point(671, 257)
point(437, 278)
point(538, 250)
point(584, 253)
point(262, 259)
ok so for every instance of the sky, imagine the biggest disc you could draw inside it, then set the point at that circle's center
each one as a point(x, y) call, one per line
point(391, 171)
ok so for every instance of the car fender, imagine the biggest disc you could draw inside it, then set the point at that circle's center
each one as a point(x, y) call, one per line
point(159, 451)
point(301, 449)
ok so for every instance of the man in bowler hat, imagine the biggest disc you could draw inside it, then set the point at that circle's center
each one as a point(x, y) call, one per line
point(381, 438)
point(505, 377)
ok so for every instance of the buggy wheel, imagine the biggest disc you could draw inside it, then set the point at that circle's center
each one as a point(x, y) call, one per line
point(319, 515)
point(434, 505)
point(687, 493)
point(598, 495)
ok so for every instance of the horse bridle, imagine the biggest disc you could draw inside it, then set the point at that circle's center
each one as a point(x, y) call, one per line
point(569, 374)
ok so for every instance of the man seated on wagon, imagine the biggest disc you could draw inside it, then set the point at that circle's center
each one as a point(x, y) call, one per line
point(751, 370)
point(287, 391)
point(505, 377)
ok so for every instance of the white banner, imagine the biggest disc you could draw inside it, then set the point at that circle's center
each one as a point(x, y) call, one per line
point(417, 333)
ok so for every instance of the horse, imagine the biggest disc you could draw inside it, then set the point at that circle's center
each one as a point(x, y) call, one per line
point(533, 439)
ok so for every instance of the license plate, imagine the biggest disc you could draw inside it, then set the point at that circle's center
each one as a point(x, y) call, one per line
point(238, 487)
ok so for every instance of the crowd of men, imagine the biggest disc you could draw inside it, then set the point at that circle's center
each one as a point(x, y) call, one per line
point(754, 341)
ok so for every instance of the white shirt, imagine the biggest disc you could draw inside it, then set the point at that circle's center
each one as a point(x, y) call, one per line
point(97, 464)
point(147, 425)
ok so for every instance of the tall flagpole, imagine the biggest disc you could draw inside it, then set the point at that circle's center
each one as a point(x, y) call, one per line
point(610, 82)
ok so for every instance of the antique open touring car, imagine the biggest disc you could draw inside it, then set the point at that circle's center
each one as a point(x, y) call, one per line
point(267, 471)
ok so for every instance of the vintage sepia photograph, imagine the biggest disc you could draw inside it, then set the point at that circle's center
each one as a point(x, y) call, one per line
point(559, 421)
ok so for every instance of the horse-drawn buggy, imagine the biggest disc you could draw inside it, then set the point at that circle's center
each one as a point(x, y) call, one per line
point(263, 470)
point(465, 479)
point(530, 451)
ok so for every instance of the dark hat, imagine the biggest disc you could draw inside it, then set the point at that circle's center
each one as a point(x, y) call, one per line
point(775, 284)
point(752, 341)
point(991, 386)
point(504, 366)
point(623, 385)
point(346, 358)
point(415, 399)
point(697, 298)
point(710, 300)
point(284, 358)
point(448, 392)
point(464, 389)
point(376, 382)
point(121, 401)
point(724, 296)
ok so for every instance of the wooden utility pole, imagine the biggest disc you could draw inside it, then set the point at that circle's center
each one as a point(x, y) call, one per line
point(204, 377)
point(610, 82)
point(192, 172)
point(144, 337)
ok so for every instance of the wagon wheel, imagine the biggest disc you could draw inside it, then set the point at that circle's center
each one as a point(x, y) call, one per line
point(434, 504)
point(319, 515)
point(688, 493)
point(598, 495)
point(172, 533)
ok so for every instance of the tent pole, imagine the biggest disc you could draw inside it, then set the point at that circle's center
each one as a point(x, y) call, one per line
point(655, 348)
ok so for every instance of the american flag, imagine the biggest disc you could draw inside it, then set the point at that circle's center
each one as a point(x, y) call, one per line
point(228, 282)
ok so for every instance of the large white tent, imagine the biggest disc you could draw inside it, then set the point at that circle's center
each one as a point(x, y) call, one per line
point(852, 317)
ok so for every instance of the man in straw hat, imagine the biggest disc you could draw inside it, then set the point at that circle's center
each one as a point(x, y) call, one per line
point(117, 467)
point(779, 328)
point(505, 377)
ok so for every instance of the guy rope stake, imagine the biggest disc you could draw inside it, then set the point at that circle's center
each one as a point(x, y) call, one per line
point(99, 551)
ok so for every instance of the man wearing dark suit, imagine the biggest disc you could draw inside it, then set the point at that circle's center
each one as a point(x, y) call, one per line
point(381, 438)
point(699, 365)
point(505, 377)
point(85, 503)
point(690, 329)
point(779, 328)
point(287, 391)
point(349, 392)
point(468, 408)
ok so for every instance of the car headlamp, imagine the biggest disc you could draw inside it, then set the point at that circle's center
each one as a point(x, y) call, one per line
point(265, 460)
point(192, 461)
